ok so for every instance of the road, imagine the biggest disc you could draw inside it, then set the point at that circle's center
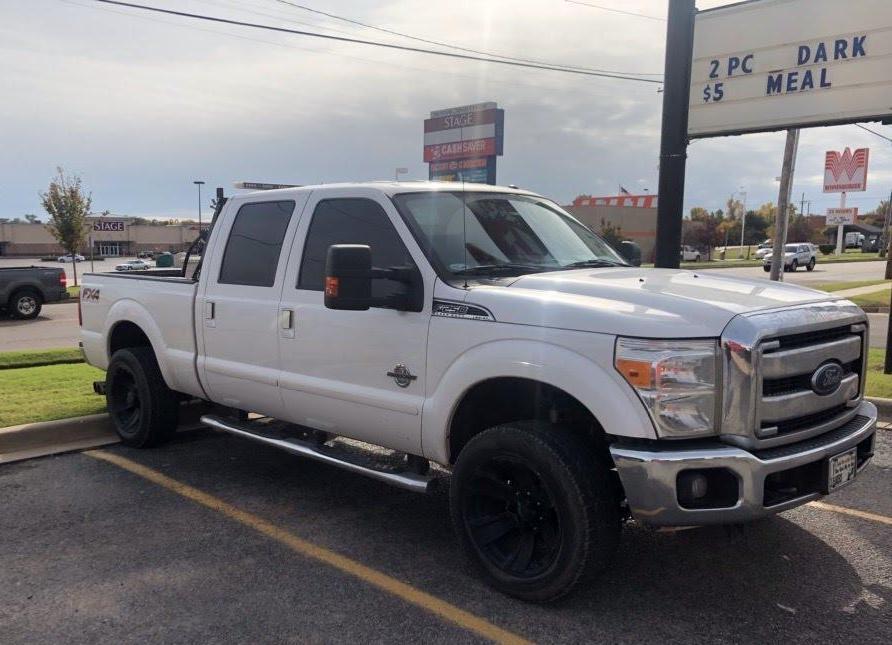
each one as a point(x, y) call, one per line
point(823, 272)
point(229, 542)
point(82, 267)
point(56, 326)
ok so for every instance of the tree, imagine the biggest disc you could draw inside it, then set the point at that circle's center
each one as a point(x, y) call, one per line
point(67, 205)
point(31, 218)
point(613, 235)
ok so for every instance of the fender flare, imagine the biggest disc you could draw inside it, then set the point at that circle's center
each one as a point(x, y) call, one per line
point(603, 392)
point(127, 310)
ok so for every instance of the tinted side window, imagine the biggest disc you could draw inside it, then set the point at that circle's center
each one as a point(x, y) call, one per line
point(351, 221)
point(255, 241)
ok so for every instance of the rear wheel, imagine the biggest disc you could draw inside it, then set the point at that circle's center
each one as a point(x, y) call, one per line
point(144, 410)
point(766, 268)
point(811, 265)
point(534, 508)
point(793, 266)
point(25, 304)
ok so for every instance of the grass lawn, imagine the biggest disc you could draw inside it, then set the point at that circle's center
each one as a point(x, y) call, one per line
point(45, 393)
point(37, 357)
point(74, 292)
point(840, 286)
point(878, 384)
point(872, 300)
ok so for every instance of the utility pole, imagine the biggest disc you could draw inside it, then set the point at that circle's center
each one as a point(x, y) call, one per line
point(199, 184)
point(674, 134)
point(783, 202)
point(742, 228)
point(802, 205)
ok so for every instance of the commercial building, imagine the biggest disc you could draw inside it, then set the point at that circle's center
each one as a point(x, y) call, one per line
point(110, 236)
point(634, 215)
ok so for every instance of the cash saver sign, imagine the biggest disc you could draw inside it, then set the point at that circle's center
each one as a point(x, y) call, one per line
point(108, 225)
point(775, 64)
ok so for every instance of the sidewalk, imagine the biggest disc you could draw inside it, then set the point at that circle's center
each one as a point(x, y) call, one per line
point(861, 291)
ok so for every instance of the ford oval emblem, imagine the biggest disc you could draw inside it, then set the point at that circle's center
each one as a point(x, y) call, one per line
point(826, 379)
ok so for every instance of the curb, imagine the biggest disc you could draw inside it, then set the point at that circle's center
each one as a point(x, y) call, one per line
point(884, 408)
point(31, 440)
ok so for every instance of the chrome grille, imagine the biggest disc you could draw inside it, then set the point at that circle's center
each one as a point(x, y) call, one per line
point(768, 395)
point(788, 404)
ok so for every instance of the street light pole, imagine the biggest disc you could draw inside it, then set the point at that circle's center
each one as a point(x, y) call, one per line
point(742, 226)
point(199, 184)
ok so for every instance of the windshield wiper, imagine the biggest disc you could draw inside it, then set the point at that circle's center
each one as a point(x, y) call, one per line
point(507, 267)
point(593, 263)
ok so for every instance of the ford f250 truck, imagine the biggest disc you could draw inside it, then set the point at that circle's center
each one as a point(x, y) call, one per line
point(488, 331)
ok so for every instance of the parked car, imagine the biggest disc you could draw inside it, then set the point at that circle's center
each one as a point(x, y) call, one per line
point(689, 254)
point(69, 258)
point(146, 255)
point(133, 265)
point(23, 290)
point(763, 251)
point(489, 331)
point(795, 256)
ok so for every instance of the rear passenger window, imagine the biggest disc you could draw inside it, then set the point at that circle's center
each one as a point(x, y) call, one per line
point(255, 242)
point(351, 221)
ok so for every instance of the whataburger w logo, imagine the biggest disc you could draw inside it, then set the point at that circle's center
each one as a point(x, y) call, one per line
point(846, 171)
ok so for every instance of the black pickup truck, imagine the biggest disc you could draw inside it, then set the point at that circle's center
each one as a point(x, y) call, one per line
point(23, 290)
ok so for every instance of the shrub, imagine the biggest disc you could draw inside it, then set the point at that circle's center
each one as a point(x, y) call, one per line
point(827, 249)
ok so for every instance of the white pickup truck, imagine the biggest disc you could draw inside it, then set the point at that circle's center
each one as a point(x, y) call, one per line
point(486, 330)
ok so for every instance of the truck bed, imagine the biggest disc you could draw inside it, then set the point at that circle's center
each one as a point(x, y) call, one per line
point(159, 304)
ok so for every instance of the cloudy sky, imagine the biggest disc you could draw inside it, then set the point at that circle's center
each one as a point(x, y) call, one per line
point(140, 105)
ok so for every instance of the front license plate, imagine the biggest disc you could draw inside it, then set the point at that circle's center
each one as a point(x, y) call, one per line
point(841, 469)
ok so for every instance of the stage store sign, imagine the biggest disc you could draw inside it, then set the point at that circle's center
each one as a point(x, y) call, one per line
point(774, 64)
point(462, 143)
point(102, 225)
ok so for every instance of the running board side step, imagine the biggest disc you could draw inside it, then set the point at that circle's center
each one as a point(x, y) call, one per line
point(407, 480)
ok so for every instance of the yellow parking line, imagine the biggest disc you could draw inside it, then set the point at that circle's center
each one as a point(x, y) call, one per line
point(864, 515)
point(410, 594)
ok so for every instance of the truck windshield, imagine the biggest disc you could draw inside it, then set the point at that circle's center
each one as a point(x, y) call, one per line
point(476, 233)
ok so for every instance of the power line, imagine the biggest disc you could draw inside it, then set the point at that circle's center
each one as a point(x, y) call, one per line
point(373, 43)
point(612, 10)
point(881, 136)
point(457, 47)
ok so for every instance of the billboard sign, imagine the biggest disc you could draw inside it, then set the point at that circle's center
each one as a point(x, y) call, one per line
point(775, 64)
point(841, 216)
point(477, 170)
point(462, 143)
point(116, 226)
point(846, 171)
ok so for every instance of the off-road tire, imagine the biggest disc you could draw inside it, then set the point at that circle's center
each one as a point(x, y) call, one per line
point(25, 304)
point(585, 507)
point(144, 410)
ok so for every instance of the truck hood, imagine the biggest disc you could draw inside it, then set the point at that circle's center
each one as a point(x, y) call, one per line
point(655, 303)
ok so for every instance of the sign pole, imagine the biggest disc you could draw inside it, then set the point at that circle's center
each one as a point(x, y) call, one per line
point(783, 204)
point(840, 227)
point(674, 135)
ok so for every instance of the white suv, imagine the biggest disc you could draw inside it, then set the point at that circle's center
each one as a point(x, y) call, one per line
point(795, 256)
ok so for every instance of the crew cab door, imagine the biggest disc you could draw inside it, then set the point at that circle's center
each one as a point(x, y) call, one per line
point(339, 368)
point(237, 313)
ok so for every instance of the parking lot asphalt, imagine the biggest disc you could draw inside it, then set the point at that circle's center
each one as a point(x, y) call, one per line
point(213, 539)
point(56, 326)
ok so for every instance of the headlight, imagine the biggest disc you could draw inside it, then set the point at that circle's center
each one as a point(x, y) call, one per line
point(676, 380)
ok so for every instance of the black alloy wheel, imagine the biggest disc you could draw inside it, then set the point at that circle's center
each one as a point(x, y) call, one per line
point(511, 517)
point(124, 404)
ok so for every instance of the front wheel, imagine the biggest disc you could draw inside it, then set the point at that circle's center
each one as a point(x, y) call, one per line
point(534, 508)
point(811, 265)
point(144, 410)
point(793, 266)
point(766, 268)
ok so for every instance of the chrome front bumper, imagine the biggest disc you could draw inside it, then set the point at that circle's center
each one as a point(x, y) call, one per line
point(649, 474)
